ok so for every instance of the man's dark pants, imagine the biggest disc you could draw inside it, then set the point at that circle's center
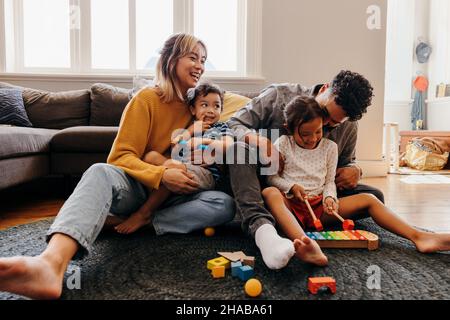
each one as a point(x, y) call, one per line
point(246, 186)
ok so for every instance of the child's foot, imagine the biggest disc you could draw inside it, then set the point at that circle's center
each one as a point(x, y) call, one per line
point(309, 251)
point(428, 242)
point(275, 250)
point(134, 222)
point(33, 277)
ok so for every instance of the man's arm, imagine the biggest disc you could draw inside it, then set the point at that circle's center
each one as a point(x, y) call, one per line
point(254, 116)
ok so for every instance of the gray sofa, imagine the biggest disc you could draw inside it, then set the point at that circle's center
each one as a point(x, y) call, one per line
point(71, 131)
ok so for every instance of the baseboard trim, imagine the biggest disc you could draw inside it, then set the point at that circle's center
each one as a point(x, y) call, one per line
point(373, 168)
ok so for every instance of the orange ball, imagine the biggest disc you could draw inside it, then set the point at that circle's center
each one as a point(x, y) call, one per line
point(253, 287)
point(209, 232)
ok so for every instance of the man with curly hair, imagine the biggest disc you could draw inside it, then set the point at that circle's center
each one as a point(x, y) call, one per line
point(344, 101)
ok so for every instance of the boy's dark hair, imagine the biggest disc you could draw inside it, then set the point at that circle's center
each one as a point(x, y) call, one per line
point(353, 93)
point(299, 110)
point(203, 89)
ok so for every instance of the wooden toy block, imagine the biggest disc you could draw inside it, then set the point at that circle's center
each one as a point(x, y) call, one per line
point(233, 256)
point(248, 261)
point(218, 272)
point(235, 265)
point(345, 239)
point(220, 261)
point(315, 283)
point(245, 272)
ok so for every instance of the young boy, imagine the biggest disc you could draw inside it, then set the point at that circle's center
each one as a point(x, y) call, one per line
point(310, 169)
point(205, 103)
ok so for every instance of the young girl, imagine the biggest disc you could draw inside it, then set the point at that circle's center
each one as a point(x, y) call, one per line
point(310, 170)
point(206, 104)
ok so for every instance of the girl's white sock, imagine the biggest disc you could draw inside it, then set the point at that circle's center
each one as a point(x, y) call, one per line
point(275, 250)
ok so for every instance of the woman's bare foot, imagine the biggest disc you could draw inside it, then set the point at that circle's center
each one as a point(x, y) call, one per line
point(134, 222)
point(309, 251)
point(111, 222)
point(33, 277)
point(427, 242)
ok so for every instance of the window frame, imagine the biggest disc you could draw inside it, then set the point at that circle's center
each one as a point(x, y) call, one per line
point(2, 39)
point(439, 63)
point(248, 42)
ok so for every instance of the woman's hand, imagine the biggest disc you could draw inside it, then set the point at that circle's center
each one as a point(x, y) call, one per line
point(298, 192)
point(179, 181)
point(330, 205)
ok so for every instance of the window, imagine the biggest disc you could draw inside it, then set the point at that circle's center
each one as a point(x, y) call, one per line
point(439, 63)
point(125, 36)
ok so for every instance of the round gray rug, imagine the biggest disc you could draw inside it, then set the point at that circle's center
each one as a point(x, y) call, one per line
point(145, 266)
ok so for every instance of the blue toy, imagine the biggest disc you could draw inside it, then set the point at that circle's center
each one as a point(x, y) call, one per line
point(245, 272)
point(235, 268)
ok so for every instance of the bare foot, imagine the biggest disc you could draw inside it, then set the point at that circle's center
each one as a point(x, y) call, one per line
point(309, 251)
point(33, 277)
point(134, 222)
point(428, 242)
point(111, 222)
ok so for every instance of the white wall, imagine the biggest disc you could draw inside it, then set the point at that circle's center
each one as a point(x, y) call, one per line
point(309, 41)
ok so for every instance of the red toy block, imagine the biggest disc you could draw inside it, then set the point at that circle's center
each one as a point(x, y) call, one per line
point(348, 224)
point(314, 284)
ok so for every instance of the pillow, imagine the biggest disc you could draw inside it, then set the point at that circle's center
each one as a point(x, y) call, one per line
point(108, 103)
point(232, 102)
point(12, 109)
point(57, 110)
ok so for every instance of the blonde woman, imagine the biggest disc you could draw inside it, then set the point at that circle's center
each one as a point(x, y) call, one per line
point(119, 187)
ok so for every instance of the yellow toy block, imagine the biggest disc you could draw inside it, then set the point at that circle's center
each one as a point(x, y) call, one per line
point(218, 272)
point(216, 262)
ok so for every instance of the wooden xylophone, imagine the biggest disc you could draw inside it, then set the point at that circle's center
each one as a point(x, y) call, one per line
point(345, 239)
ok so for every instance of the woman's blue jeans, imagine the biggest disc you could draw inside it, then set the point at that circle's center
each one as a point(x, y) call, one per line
point(105, 189)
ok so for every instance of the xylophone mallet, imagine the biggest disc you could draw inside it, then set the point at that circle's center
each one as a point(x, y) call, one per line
point(317, 223)
point(347, 224)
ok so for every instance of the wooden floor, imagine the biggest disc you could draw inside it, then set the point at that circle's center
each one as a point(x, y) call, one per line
point(423, 205)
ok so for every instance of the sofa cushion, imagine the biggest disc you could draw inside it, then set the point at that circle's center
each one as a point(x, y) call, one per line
point(108, 103)
point(57, 110)
point(12, 109)
point(232, 102)
point(19, 142)
point(91, 139)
